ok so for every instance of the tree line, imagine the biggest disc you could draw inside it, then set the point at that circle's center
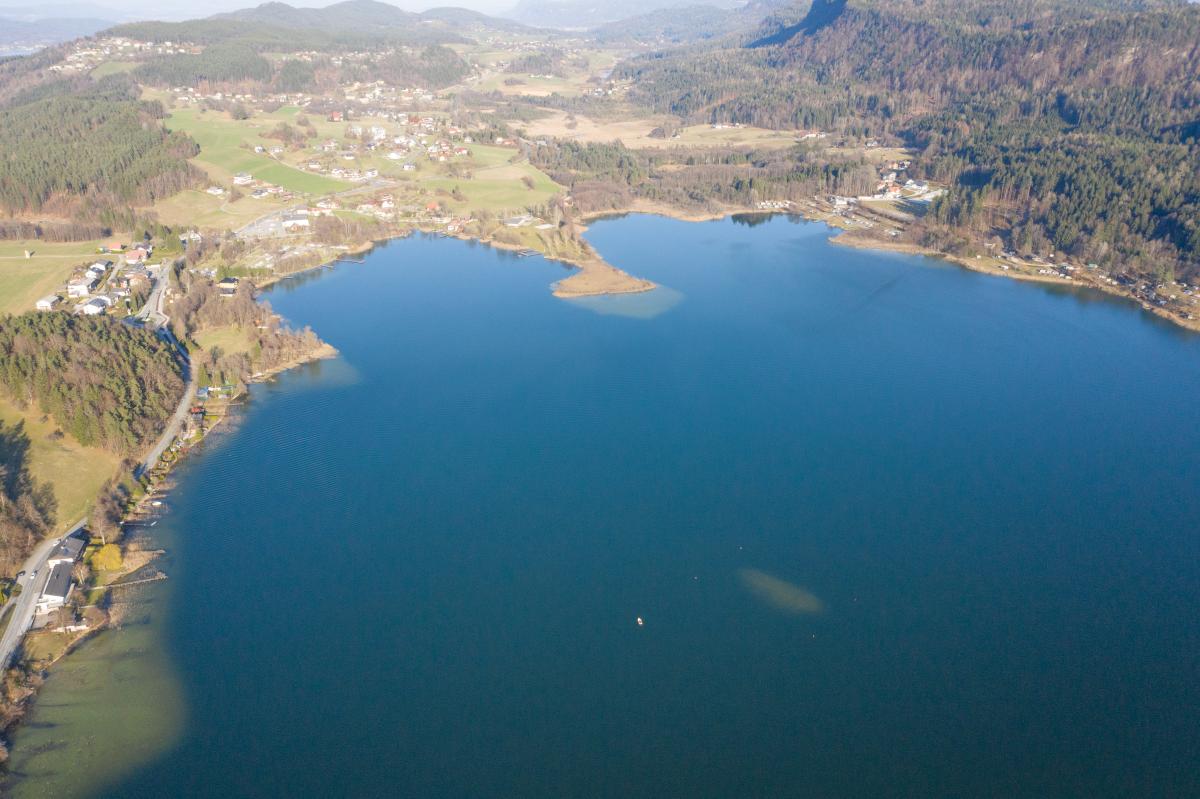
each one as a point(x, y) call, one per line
point(106, 383)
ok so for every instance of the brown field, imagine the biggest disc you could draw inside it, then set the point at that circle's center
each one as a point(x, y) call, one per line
point(635, 133)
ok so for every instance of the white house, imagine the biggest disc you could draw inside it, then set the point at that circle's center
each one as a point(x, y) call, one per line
point(296, 220)
point(242, 179)
point(48, 303)
point(81, 286)
point(57, 589)
point(96, 306)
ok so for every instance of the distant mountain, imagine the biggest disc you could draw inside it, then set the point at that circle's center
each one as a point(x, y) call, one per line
point(583, 14)
point(466, 19)
point(348, 14)
point(370, 15)
point(352, 23)
point(682, 25)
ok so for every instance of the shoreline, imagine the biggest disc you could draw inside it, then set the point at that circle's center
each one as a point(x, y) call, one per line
point(854, 241)
point(594, 277)
point(156, 484)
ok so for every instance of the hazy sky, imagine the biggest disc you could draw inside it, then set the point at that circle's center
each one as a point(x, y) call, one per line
point(189, 9)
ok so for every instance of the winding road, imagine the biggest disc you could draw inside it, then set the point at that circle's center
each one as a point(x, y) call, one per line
point(33, 580)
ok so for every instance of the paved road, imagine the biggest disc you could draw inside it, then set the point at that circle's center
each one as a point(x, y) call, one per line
point(173, 426)
point(154, 317)
point(32, 583)
point(151, 312)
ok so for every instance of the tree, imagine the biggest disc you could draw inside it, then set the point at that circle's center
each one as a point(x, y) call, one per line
point(107, 557)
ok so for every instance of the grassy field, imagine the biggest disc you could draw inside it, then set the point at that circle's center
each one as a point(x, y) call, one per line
point(483, 155)
point(206, 211)
point(226, 148)
point(229, 338)
point(530, 86)
point(496, 185)
point(23, 281)
point(500, 193)
point(76, 472)
point(113, 68)
point(635, 133)
point(573, 84)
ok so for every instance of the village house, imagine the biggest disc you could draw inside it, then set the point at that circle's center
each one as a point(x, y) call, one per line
point(58, 584)
point(48, 303)
point(82, 286)
point(296, 221)
point(68, 551)
point(242, 179)
point(96, 306)
point(228, 286)
point(57, 589)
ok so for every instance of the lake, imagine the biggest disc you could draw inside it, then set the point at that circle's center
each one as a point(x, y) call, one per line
point(891, 528)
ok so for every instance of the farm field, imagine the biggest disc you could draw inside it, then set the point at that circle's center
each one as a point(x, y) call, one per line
point(76, 473)
point(113, 68)
point(500, 188)
point(23, 281)
point(228, 339)
point(222, 154)
point(202, 210)
point(635, 133)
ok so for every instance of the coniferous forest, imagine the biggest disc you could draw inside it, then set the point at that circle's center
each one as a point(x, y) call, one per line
point(1060, 126)
point(108, 384)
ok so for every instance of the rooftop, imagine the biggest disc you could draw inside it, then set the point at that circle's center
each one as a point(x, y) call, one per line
point(69, 549)
point(59, 584)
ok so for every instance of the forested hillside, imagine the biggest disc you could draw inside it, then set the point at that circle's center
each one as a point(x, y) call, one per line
point(106, 383)
point(95, 140)
point(1070, 126)
point(605, 177)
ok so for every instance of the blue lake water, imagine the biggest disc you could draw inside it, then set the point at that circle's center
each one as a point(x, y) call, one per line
point(893, 529)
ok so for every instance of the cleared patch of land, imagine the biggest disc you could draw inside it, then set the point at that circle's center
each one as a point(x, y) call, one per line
point(203, 210)
point(113, 68)
point(635, 133)
point(24, 280)
point(498, 188)
point(228, 339)
point(227, 147)
point(76, 472)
